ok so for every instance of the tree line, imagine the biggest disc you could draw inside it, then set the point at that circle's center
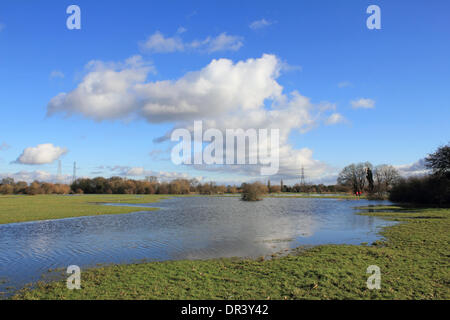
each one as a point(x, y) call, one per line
point(379, 182)
point(384, 181)
point(8, 186)
point(431, 189)
point(363, 177)
point(119, 185)
point(114, 185)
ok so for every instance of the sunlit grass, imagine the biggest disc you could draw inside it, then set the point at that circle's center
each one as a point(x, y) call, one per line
point(20, 208)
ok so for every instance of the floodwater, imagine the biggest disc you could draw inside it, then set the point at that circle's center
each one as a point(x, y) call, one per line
point(184, 228)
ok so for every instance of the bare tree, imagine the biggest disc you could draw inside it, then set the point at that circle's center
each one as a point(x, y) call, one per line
point(354, 176)
point(386, 176)
point(7, 180)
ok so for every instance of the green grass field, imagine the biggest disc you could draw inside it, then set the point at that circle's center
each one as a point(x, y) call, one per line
point(413, 258)
point(22, 208)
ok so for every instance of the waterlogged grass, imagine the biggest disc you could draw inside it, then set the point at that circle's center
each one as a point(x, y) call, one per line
point(21, 208)
point(413, 258)
point(43, 207)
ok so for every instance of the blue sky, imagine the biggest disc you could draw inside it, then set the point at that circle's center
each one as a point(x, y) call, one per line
point(323, 48)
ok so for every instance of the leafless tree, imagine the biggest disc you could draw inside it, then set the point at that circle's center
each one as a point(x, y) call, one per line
point(354, 176)
point(385, 177)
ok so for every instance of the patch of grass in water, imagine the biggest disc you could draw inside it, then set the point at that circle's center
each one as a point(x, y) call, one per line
point(45, 207)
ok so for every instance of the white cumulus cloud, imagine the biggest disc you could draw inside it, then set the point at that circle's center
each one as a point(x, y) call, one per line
point(224, 94)
point(220, 87)
point(41, 154)
point(413, 169)
point(106, 92)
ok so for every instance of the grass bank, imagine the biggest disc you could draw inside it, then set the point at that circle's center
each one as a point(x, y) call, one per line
point(21, 208)
point(413, 258)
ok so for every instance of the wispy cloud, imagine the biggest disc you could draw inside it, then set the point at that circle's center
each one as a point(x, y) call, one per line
point(157, 154)
point(363, 103)
point(181, 30)
point(192, 14)
point(56, 74)
point(335, 118)
point(4, 146)
point(159, 43)
point(259, 24)
point(286, 67)
point(38, 175)
point(127, 171)
point(223, 42)
point(345, 84)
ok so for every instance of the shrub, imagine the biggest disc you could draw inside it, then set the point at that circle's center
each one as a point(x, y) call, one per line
point(253, 191)
point(6, 189)
point(429, 190)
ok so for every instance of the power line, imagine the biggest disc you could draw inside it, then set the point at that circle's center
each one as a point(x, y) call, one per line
point(302, 176)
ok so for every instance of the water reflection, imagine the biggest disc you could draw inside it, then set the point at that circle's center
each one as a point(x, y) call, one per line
point(184, 228)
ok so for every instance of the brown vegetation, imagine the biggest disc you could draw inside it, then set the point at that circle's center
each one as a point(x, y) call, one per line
point(253, 191)
point(8, 186)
